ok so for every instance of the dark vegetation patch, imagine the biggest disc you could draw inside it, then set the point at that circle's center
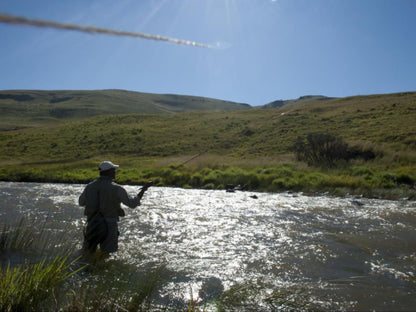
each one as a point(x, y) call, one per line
point(62, 112)
point(60, 99)
point(17, 97)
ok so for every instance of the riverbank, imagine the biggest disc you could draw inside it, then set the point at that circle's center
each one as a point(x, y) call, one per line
point(214, 172)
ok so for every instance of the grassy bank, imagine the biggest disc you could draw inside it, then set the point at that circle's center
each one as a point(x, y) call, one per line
point(215, 172)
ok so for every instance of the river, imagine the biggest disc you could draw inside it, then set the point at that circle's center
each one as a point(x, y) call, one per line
point(319, 251)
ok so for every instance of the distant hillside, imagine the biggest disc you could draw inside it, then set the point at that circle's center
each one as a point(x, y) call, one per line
point(383, 120)
point(307, 99)
point(22, 108)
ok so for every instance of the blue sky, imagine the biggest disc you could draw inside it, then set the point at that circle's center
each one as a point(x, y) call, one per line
point(267, 49)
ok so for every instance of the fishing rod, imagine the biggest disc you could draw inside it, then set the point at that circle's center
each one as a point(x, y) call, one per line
point(192, 158)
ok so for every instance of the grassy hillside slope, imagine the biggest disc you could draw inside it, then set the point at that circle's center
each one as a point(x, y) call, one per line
point(23, 108)
point(307, 99)
point(187, 149)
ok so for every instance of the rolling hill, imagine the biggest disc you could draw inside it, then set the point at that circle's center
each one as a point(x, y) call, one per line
point(383, 120)
point(306, 99)
point(28, 108)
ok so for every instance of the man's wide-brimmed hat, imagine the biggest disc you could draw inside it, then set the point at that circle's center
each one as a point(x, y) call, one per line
point(107, 165)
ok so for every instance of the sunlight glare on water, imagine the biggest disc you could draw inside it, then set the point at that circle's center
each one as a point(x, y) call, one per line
point(322, 250)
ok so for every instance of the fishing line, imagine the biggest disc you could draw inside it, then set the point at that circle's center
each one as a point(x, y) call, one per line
point(18, 20)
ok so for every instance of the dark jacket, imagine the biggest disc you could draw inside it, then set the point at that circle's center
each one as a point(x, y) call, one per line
point(105, 195)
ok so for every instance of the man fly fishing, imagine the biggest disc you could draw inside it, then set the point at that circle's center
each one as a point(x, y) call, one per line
point(101, 199)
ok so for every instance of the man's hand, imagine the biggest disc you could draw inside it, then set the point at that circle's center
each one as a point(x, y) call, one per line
point(144, 188)
point(147, 185)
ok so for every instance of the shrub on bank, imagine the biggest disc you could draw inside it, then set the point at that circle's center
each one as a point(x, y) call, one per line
point(386, 180)
point(286, 183)
point(328, 150)
point(404, 178)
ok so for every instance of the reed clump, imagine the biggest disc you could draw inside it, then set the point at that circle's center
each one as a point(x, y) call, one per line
point(31, 287)
point(32, 270)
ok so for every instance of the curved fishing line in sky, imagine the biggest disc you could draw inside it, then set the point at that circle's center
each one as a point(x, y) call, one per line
point(18, 20)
